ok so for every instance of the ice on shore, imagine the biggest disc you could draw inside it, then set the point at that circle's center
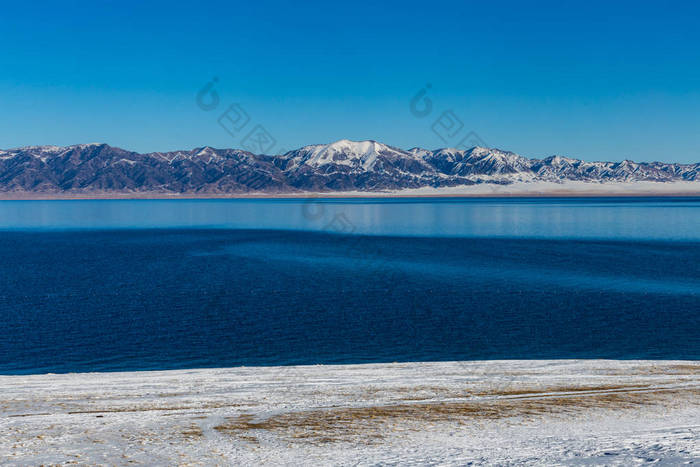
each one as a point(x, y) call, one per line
point(545, 188)
point(580, 412)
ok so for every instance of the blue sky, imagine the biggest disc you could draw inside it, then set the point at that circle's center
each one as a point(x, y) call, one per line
point(584, 79)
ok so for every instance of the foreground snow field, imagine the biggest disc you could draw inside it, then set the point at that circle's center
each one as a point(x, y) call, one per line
point(572, 412)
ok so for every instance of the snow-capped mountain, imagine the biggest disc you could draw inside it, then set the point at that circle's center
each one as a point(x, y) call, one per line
point(340, 166)
point(362, 154)
point(478, 161)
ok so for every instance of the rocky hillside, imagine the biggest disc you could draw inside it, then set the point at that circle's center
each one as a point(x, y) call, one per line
point(340, 166)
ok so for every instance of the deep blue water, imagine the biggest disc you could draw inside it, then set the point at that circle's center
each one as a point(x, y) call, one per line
point(293, 283)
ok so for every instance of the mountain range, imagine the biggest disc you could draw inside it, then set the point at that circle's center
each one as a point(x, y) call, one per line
point(337, 167)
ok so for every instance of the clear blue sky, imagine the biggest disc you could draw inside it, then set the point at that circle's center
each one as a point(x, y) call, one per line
point(590, 80)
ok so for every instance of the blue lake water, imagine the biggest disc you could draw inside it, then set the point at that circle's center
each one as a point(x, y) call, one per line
point(132, 285)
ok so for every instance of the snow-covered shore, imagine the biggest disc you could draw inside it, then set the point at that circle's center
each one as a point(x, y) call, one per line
point(570, 188)
point(574, 412)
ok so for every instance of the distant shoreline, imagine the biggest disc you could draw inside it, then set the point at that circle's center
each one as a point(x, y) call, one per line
point(486, 190)
point(343, 196)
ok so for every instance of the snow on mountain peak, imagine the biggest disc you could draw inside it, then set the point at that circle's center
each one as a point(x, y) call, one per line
point(44, 148)
point(346, 152)
point(560, 161)
point(86, 146)
point(419, 153)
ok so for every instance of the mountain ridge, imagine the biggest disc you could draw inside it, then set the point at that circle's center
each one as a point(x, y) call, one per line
point(344, 165)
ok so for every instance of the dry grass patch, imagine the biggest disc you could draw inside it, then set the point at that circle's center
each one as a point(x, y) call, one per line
point(559, 390)
point(680, 369)
point(151, 408)
point(194, 431)
point(370, 424)
point(418, 393)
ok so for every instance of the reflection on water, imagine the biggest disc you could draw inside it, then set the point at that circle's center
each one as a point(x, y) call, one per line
point(638, 218)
